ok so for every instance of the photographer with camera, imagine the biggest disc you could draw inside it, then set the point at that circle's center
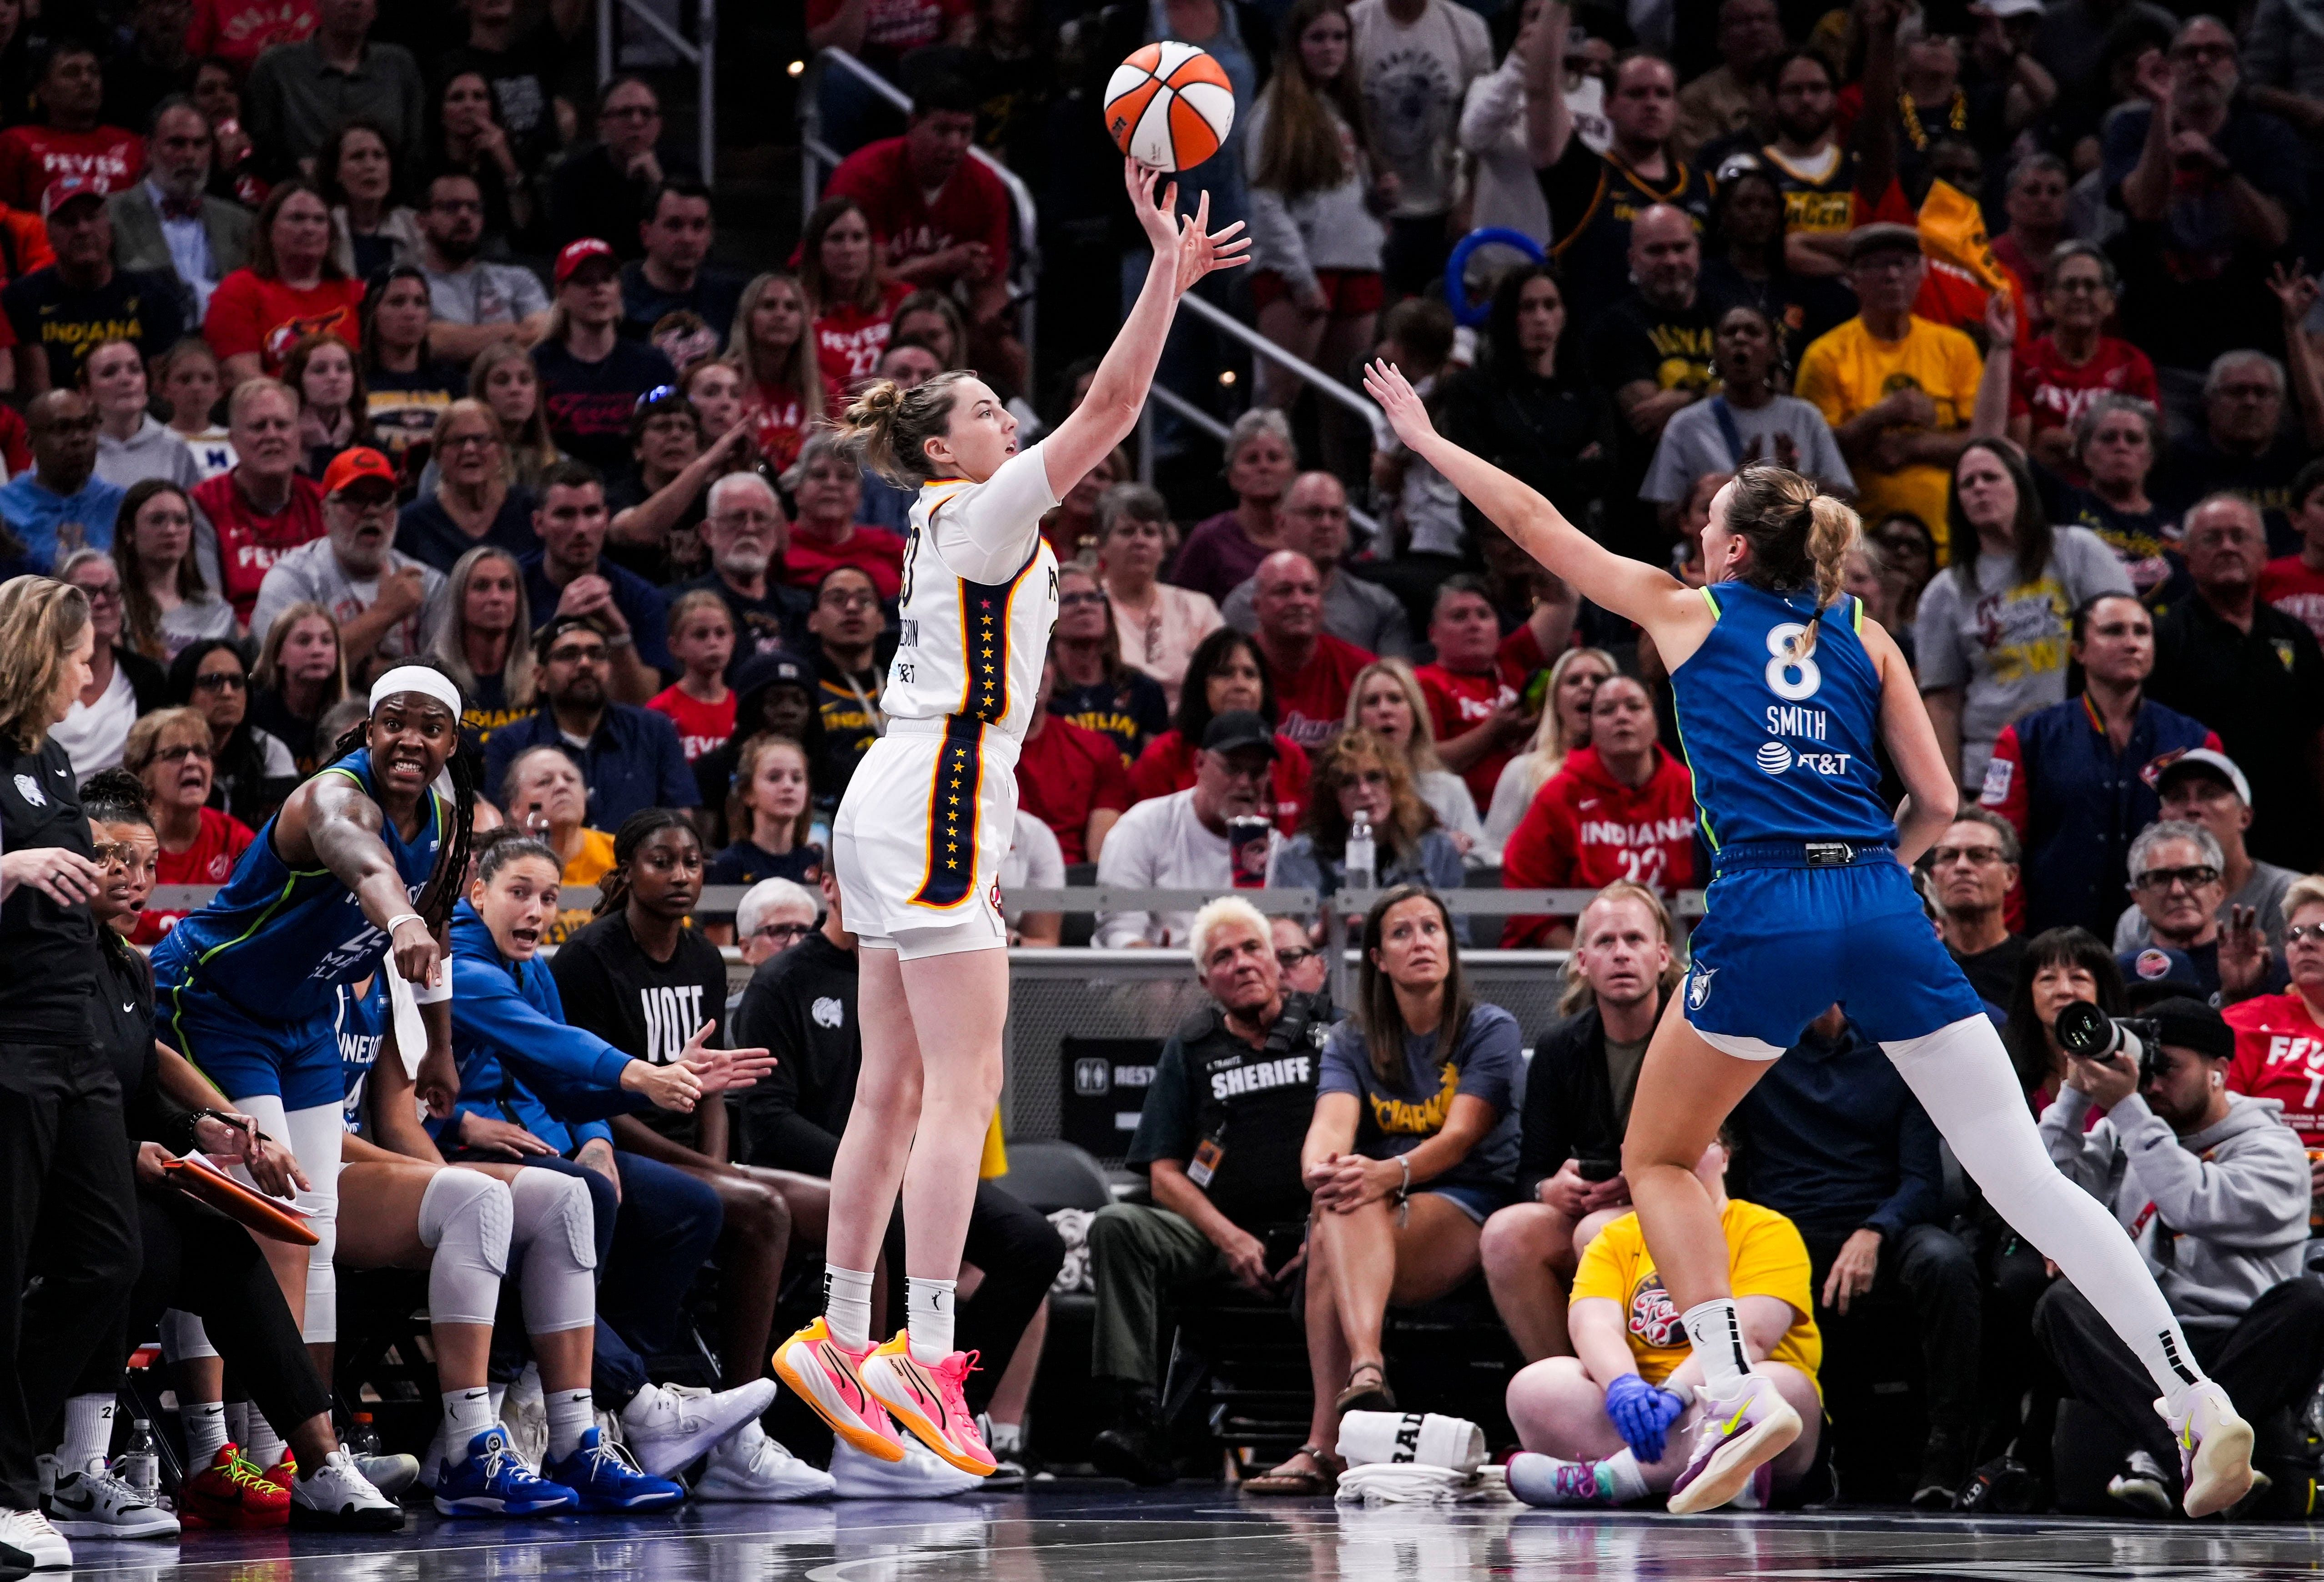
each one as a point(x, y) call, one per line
point(2213, 1187)
point(1218, 1141)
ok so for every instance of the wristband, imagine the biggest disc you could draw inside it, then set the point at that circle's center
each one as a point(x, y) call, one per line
point(402, 918)
point(441, 994)
point(620, 640)
point(1406, 1190)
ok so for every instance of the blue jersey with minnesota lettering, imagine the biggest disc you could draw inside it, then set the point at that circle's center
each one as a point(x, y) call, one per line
point(1783, 751)
point(362, 1022)
point(276, 941)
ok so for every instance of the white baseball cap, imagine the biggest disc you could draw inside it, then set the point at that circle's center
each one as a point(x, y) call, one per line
point(2219, 763)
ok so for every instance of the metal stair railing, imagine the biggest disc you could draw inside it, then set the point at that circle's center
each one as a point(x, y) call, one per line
point(701, 53)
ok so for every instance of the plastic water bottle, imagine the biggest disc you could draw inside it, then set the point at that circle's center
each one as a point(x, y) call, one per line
point(1360, 861)
point(140, 1466)
point(362, 1440)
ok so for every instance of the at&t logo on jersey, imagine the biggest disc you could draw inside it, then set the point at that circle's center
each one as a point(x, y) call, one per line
point(1776, 758)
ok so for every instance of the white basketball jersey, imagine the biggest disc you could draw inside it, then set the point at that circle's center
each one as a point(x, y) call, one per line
point(979, 599)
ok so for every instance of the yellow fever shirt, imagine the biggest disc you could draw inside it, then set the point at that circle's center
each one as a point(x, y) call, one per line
point(1765, 1257)
point(1850, 371)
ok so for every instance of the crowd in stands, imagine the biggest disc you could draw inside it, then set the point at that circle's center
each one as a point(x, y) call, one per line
point(336, 335)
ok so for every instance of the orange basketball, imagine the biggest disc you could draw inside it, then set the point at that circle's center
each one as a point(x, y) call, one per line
point(1169, 106)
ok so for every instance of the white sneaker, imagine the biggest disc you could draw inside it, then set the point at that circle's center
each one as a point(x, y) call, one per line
point(1008, 1447)
point(94, 1504)
point(524, 1412)
point(919, 1475)
point(30, 1531)
point(2139, 1486)
point(748, 1465)
point(390, 1474)
point(2215, 1446)
point(665, 1428)
point(338, 1498)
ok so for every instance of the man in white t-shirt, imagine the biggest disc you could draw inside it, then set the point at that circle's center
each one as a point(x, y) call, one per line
point(1179, 842)
point(1034, 861)
point(1414, 60)
point(388, 604)
point(474, 303)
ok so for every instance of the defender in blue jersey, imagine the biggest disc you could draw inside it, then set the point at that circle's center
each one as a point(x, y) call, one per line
point(1787, 693)
point(363, 863)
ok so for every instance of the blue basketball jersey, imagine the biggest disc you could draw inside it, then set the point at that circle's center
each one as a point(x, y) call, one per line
point(1782, 751)
point(276, 941)
point(362, 1023)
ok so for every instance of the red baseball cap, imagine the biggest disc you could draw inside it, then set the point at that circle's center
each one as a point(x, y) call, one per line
point(579, 251)
point(65, 188)
point(353, 465)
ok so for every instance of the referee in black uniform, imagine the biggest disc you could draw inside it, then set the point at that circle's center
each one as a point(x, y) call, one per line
point(68, 1199)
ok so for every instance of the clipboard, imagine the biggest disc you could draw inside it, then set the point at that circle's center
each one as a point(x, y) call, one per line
point(272, 1217)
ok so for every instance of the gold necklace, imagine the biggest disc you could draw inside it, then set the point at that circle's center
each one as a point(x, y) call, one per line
point(1956, 117)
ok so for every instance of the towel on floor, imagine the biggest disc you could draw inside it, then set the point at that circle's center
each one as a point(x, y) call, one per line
point(1394, 1483)
point(1413, 1438)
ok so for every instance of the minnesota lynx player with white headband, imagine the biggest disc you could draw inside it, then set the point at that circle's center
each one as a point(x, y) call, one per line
point(918, 843)
point(246, 988)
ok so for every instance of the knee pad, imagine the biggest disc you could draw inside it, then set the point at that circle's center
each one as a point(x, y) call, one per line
point(557, 1228)
point(465, 1215)
point(183, 1336)
point(548, 1205)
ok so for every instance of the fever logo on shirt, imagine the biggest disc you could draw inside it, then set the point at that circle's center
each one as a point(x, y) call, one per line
point(1654, 1316)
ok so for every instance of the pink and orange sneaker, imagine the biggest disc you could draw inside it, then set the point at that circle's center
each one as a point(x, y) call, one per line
point(929, 1400)
point(825, 1373)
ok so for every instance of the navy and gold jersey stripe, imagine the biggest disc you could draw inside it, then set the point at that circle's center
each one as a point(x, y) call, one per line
point(952, 799)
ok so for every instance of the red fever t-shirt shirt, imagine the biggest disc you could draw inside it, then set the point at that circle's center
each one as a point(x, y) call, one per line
point(247, 314)
point(848, 341)
point(892, 27)
point(1311, 703)
point(30, 157)
point(2054, 392)
point(778, 424)
point(2280, 1055)
point(240, 30)
point(218, 846)
point(248, 541)
point(1457, 702)
point(702, 727)
point(2296, 588)
point(1066, 772)
point(972, 205)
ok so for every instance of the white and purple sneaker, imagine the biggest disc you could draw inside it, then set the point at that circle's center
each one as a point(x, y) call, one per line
point(1744, 1427)
point(2215, 1446)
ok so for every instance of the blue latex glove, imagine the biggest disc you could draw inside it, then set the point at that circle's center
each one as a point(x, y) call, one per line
point(1642, 1414)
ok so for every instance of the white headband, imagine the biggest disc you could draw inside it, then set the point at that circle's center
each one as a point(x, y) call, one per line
point(417, 679)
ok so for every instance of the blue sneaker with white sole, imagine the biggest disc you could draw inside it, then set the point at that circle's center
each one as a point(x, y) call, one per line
point(493, 1482)
point(609, 1483)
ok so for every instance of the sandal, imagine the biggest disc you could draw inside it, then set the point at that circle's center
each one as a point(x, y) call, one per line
point(1375, 1396)
point(1323, 1480)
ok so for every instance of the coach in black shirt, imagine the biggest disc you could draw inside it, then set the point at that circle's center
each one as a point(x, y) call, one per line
point(65, 1178)
point(1219, 1138)
point(800, 1006)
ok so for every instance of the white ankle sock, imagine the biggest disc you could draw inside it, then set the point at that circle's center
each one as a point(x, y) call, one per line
point(928, 1317)
point(204, 1422)
point(466, 1413)
point(1718, 1336)
point(1629, 1483)
point(88, 1429)
point(847, 1304)
point(264, 1445)
point(571, 1414)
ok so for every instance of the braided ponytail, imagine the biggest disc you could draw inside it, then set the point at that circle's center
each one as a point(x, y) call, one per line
point(1832, 528)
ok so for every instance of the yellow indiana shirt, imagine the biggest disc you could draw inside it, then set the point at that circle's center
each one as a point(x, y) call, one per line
point(576, 887)
point(1765, 1257)
point(1849, 370)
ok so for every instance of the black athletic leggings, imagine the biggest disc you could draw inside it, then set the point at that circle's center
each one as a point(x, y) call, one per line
point(200, 1262)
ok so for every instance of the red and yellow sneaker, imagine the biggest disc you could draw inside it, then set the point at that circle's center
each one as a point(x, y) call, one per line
point(927, 1399)
point(823, 1370)
point(233, 1491)
point(285, 1472)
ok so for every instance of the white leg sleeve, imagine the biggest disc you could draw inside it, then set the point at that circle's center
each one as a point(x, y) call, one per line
point(315, 1135)
point(183, 1336)
point(463, 1214)
point(556, 1236)
point(1962, 1077)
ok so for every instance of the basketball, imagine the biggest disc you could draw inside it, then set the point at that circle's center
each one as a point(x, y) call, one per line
point(1169, 106)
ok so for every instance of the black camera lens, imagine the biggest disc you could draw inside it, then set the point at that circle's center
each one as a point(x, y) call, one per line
point(2084, 1029)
